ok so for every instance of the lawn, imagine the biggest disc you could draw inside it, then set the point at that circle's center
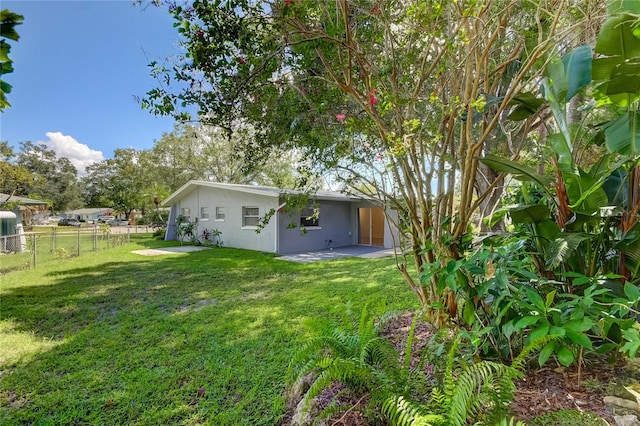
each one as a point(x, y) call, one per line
point(113, 337)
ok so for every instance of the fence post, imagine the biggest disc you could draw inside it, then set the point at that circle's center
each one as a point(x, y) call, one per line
point(95, 238)
point(35, 249)
point(128, 234)
point(79, 242)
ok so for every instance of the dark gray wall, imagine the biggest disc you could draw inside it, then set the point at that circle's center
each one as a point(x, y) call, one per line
point(335, 229)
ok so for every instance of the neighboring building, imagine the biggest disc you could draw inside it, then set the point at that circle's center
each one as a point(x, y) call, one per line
point(28, 210)
point(235, 211)
point(89, 214)
point(12, 237)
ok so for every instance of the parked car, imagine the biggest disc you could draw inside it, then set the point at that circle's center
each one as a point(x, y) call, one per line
point(69, 222)
point(119, 222)
point(105, 219)
point(54, 219)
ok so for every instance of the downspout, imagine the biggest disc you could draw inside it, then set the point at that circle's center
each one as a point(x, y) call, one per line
point(277, 236)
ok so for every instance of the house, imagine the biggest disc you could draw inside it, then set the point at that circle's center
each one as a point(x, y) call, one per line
point(28, 210)
point(236, 210)
point(89, 214)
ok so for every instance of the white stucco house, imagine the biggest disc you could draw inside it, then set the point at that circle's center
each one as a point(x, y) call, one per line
point(235, 211)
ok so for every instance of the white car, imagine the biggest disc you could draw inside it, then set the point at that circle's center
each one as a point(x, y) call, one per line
point(105, 219)
point(54, 219)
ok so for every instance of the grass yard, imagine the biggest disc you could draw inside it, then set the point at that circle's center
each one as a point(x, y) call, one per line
point(119, 338)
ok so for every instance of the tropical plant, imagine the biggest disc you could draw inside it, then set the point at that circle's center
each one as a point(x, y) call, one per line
point(211, 237)
point(187, 229)
point(582, 234)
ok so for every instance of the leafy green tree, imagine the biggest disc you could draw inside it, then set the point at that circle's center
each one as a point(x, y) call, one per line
point(401, 97)
point(14, 179)
point(118, 182)
point(216, 154)
point(54, 179)
point(8, 22)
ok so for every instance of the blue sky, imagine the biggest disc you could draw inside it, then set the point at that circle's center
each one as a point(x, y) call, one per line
point(78, 66)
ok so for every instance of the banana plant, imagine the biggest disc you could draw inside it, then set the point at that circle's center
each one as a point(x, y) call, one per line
point(595, 211)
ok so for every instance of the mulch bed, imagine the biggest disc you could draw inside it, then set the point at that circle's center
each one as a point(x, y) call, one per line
point(543, 390)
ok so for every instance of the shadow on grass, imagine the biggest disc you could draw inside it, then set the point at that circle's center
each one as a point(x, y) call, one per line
point(133, 341)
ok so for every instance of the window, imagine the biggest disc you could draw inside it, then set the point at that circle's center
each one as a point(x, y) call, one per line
point(186, 212)
point(221, 213)
point(310, 216)
point(204, 213)
point(250, 216)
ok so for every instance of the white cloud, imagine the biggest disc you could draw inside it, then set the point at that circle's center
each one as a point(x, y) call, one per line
point(78, 153)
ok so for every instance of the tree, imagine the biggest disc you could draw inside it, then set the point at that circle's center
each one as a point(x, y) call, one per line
point(118, 182)
point(212, 153)
point(14, 179)
point(54, 179)
point(401, 97)
point(8, 22)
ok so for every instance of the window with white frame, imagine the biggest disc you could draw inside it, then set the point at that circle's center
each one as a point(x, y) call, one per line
point(310, 216)
point(221, 213)
point(250, 216)
point(204, 213)
point(186, 212)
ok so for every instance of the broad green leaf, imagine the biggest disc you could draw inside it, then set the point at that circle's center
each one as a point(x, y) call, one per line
point(549, 298)
point(546, 352)
point(622, 135)
point(631, 291)
point(565, 356)
point(618, 65)
point(530, 214)
point(629, 245)
point(527, 321)
point(557, 331)
point(519, 171)
point(563, 150)
point(579, 339)
point(536, 300)
point(526, 104)
point(619, 6)
point(468, 313)
point(541, 331)
point(577, 65)
point(579, 325)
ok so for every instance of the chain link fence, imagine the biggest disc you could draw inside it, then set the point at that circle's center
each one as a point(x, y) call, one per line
point(28, 250)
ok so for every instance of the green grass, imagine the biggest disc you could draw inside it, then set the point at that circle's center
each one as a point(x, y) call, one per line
point(118, 338)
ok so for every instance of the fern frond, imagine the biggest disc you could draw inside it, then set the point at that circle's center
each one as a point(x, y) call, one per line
point(448, 381)
point(402, 412)
point(510, 422)
point(464, 397)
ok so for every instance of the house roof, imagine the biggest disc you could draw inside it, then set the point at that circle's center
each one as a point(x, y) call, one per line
point(90, 210)
point(21, 200)
point(268, 191)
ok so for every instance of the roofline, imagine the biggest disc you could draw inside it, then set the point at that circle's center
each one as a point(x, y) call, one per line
point(266, 191)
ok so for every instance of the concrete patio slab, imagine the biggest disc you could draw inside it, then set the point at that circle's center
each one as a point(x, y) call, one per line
point(169, 250)
point(366, 252)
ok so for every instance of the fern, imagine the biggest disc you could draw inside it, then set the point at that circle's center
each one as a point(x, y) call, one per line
point(402, 412)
